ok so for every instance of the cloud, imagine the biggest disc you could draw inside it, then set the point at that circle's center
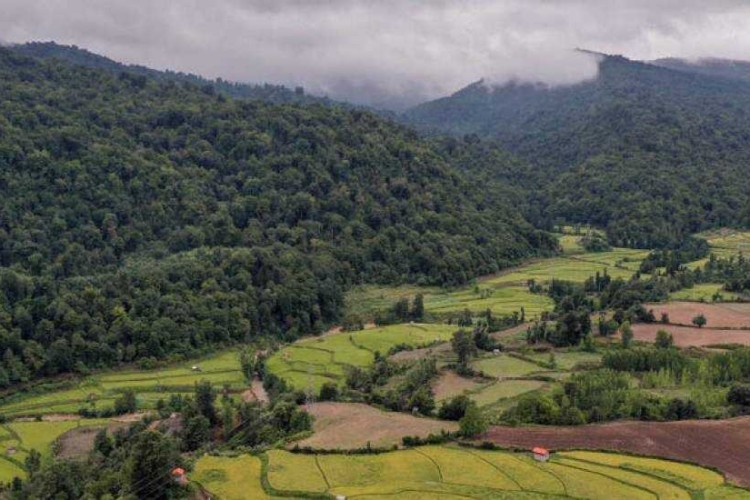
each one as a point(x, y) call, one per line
point(383, 52)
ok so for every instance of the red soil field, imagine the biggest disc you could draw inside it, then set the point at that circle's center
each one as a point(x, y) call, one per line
point(718, 315)
point(685, 336)
point(722, 444)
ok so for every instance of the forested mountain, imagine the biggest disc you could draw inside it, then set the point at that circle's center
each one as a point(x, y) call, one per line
point(144, 218)
point(647, 152)
point(725, 68)
point(277, 94)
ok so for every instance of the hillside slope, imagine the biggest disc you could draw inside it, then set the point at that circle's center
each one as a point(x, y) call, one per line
point(143, 218)
point(276, 94)
point(648, 152)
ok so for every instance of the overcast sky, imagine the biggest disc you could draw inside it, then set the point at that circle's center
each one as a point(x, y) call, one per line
point(396, 52)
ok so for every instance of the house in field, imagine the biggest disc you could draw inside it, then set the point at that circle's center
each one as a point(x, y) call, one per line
point(540, 454)
point(179, 476)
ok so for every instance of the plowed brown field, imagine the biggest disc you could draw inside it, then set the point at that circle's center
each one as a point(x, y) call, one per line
point(685, 336)
point(722, 444)
point(728, 315)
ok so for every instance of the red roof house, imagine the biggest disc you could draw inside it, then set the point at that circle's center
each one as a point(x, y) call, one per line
point(540, 454)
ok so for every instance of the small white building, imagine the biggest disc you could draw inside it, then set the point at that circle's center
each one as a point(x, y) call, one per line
point(540, 454)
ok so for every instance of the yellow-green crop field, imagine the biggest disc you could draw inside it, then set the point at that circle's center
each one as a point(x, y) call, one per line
point(17, 439)
point(314, 361)
point(727, 242)
point(507, 292)
point(452, 472)
point(100, 390)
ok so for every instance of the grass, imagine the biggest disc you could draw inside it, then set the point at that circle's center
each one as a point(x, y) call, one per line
point(504, 366)
point(314, 361)
point(26, 436)
point(505, 389)
point(100, 390)
point(230, 478)
point(567, 360)
point(704, 292)
point(618, 263)
point(727, 242)
point(456, 472)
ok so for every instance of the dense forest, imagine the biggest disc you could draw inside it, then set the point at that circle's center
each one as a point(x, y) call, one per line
point(649, 153)
point(276, 94)
point(144, 218)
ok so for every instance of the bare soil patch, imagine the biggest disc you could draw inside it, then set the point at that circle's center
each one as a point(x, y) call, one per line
point(718, 315)
point(685, 336)
point(256, 392)
point(450, 384)
point(424, 352)
point(722, 444)
point(52, 417)
point(78, 442)
point(352, 425)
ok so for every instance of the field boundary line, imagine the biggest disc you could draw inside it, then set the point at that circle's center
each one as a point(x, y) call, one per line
point(322, 473)
point(617, 480)
point(437, 466)
point(520, 488)
point(635, 470)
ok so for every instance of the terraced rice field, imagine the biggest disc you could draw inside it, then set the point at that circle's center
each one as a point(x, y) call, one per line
point(100, 391)
point(505, 293)
point(727, 242)
point(17, 439)
point(310, 362)
point(452, 472)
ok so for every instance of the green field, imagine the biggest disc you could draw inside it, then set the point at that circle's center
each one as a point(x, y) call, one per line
point(17, 439)
point(505, 389)
point(452, 472)
point(503, 366)
point(507, 292)
point(313, 361)
point(618, 263)
point(727, 242)
point(100, 390)
point(704, 292)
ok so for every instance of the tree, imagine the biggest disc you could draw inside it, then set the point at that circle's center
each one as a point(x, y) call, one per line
point(205, 397)
point(417, 310)
point(149, 465)
point(329, 391)
point(739, 394)
point(103, 443)
point(664, 339)
point(464, 347)
point(33, 462)
point(126, 402)
point(627, 334)
point(196, 432)
point(455, 408)
point(700, 321)
point(473, 422)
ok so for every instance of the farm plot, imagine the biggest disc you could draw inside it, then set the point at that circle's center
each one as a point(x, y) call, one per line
point(352, 425)
point(504, 293)
point(567, 360)
point(705, 292)
point(230, 478)
point(504, 366)
point(505, 389)
point(685, 336)
point(720, 444)
point(718, 315)
point(726, 243)
point(449, 472)
point(100, 391)
point(17, 439)
point(449, 384)
point(311, 362)
point(618, 263)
